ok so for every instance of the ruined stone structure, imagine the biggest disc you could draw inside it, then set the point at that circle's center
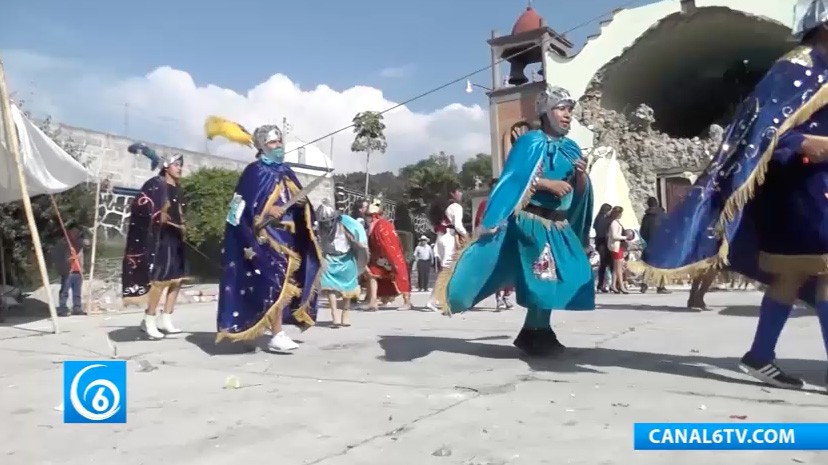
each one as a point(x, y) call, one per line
point(656, 84)
point(645, 154)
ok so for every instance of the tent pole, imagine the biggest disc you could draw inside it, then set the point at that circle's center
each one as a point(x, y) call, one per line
point(14, 149)
point(3, 307)
point(88, 298)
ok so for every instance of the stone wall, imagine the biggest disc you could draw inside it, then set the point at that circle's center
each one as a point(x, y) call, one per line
point(642, 151)
point(125, 171)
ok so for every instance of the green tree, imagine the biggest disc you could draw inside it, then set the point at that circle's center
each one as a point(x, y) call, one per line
point(369, 138)
point(206, 192)
point(476, 170)
point(429, 182)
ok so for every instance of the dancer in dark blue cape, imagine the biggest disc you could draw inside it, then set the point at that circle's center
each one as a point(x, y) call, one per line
point(761, 206)
point(534, 232)
point(154, 258)
point(272, 261)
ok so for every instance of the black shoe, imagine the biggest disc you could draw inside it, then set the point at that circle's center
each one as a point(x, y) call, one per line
point(769, 373)
point(538, 342)
point(663, 290)
point(63, 312)
point(78, 311)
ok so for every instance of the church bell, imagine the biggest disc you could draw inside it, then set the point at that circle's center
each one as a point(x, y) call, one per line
point(517, 75)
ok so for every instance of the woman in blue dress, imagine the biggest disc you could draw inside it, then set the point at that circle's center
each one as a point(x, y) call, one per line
point(534, 231)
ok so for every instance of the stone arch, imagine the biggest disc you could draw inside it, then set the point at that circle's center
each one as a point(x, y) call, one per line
point(692, 69)
point(518, 129)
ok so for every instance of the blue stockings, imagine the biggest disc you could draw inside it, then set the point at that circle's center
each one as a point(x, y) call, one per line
point(772, 318)
point(537, 319)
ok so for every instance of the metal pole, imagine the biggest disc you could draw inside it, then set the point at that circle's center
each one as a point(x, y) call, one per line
point(3, 306)
point(95, 224)
point(14, 149)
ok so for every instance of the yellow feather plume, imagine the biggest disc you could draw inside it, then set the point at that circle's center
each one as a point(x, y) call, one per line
point(234, 132)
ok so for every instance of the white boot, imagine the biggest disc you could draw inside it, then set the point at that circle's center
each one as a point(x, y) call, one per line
point(148, 327)
point(281, 342)
point(165, 324)
point(501, 304)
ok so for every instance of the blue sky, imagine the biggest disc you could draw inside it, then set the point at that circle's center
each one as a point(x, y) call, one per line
point(238, 45)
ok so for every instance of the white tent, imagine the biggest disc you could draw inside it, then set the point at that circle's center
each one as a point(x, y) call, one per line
point(610, 186)
point(32, 164)
point(48, 169)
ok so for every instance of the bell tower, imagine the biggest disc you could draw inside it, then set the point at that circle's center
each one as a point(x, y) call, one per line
point(529, 50)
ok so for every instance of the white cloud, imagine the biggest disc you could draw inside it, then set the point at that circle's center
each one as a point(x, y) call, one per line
point(397, 71)
point(167, 106)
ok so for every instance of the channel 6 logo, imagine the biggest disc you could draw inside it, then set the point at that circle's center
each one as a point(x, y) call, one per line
point(94, 391)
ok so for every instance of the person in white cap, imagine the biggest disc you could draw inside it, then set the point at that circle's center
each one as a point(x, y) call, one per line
point(424, 258)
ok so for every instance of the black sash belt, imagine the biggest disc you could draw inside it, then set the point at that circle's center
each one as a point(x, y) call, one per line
point(551, 215)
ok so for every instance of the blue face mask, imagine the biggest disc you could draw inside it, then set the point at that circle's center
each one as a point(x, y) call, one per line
point(276, 155)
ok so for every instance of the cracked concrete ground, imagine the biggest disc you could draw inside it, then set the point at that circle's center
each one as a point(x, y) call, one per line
point(411, 388)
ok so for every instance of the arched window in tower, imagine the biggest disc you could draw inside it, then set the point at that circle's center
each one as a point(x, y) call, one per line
point(518, 129)
point(301, 157)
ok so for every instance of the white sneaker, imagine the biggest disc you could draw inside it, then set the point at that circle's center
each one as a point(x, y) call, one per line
point(434, 307)
point(281, 342)
point(509, 305)
point(165, 324)
point(149, 328)
point(501, 304)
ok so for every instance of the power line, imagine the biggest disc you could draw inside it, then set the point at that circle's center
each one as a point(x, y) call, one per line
point(468, 75)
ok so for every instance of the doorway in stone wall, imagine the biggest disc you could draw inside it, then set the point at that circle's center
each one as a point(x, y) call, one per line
point(672, 191)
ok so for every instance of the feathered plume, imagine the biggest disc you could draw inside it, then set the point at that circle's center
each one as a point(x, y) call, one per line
point(234, 132)
point(143, 149)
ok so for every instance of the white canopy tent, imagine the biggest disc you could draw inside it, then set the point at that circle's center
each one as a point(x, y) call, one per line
point(32, 164)
point(47, 168)
point(610, 186)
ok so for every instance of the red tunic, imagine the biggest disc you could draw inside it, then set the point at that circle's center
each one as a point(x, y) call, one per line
point(387, 264)
point(478, 217)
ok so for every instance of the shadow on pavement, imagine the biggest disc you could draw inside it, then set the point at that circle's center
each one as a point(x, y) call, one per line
point(409, 348)
point(28, 311)
point(753, 311)
point(206, 341)
point(645, 307)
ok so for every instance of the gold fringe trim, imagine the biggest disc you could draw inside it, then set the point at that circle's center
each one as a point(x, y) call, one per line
point(289, 292)
point(744, 194)
point(154, 286)
point(805, 265)
point(290, 289)
point(441, 285)
point(301, 314)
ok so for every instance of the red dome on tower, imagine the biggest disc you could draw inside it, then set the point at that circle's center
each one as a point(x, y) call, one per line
point(528, 21)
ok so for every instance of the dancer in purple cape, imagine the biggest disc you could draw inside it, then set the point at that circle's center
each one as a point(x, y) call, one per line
point(272, 261)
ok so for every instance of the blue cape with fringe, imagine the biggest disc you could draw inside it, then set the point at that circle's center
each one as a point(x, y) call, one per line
point(715, 225)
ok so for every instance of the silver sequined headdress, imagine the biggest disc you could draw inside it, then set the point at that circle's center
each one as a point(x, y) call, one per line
point(264, 134)
point(809, 15)
point(553, 97)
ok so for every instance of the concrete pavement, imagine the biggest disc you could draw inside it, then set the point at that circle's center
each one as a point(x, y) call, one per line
point(411, 388)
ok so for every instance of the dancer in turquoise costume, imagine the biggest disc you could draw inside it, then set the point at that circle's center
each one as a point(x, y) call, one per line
point(761, 206)
point(345, 244)
point(272, 261)
point(533, 232)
